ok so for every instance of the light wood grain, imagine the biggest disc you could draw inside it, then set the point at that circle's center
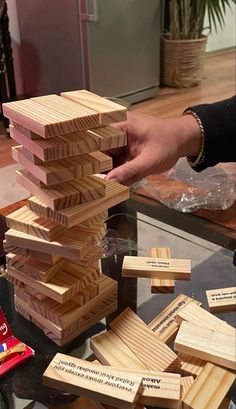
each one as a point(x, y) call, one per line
point(115, 194)
point(109, 111)
point(222, 299)
point(214, 346)
point(190, 365)
point(164, 324)
point(35, 255)
point(209, 389)
point(186, 384)
point(50, 121)
point(64, 170)
point(197, 315)
point(161, 286)
point(144, 343)
point(73, 243)
point(150, 267)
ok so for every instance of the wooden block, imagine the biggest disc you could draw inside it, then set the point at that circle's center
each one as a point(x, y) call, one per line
point(115, 194)
point(101, 217)
point(209, 389)
point(61, 287)
point(64, 170)
point(222, 299)
point(35, 269)
point(26, 221)
point(63, 195)
point(73, 243)
point(154, 354)
point(176, 269)
point(216, 347)
point(73, 144)
point(51, 122)
point(186, 384)
point(15, 249)
point(36, 255)
point(189, 365)
point(81, 377)
point(109, 111)
point(25, 131)
point(111, 350)
point(196, 315)
point(160, 286)
point(164, 324)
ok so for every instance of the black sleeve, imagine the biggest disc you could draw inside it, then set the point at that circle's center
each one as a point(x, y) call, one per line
point(219, 123)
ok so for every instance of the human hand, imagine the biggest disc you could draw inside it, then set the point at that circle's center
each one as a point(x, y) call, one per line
point(154, 146)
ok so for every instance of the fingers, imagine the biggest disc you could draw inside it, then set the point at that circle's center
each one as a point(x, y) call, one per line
point(128, 173)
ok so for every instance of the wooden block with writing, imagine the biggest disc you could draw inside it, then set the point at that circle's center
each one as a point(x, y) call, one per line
point(161, 286)
point(222, 299)
point(69, 217)
point(109, 111)
point(26, 221)
point(151, 267)
point(197, 315)
point(143, 342)
point(164, 324)
point(189, 365)
point(216, 347)
point(209, 389)
point(111, 350)
point(76, 143)
point(51, 122)
point(73, 243)
point(62, 170)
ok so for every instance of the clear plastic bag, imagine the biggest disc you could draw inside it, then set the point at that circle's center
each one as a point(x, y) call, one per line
point(112, 244)
point(183, 189)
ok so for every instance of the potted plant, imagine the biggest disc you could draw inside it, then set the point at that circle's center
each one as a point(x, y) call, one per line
point(183, 46)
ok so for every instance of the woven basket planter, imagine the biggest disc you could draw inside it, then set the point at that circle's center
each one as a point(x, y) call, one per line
point(182, 62)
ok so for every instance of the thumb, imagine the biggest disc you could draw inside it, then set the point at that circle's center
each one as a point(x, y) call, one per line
point(128, 173)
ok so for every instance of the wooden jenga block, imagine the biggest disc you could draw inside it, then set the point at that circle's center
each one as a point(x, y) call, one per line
point(111, 350)
point(222, 299)
point(34, 268)
point(63, 195)
point(161, 286)
point(197, 315)
point(164, 324)
point(186, 384)
point(26, 221)
point(216, 347)
point(109, 111)
point(176, 269)
point(8, 248)
point(189, 365)
point(64, 170)
point(25, 131)
point(115, 193)
point(154, 354)
point(61, 287)
point(96, 219)
point(36, 255)
point(73, 243)
point(209, 389)
point(73, 144)
point(51, 122)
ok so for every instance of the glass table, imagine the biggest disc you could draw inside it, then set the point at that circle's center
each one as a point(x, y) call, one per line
point(212, 267)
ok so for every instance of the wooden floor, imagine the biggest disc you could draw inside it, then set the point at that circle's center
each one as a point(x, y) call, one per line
point(218, 83)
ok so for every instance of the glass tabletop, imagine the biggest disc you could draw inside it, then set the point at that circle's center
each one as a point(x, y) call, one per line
point(212, 267)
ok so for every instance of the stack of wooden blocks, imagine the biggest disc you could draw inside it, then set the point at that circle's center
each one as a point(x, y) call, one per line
point(53, 242)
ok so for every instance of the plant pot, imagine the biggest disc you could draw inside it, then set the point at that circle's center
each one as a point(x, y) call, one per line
point(182, 61)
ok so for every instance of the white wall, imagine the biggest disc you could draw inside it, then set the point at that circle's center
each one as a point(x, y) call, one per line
point(223, 38)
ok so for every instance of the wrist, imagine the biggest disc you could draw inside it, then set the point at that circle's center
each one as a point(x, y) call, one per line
point(191, 136)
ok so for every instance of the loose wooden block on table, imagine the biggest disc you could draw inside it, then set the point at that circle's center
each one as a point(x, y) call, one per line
point(49, 122)
point(109, 111)
point(156, 268)
point(63, 195)
point(82, 378)
point(190, 365)
point(164, 324)
point(186, 384)
point(209, 389)
point(73, 243)
point(161, 286)
point(64, 170)
point(216, 347)
point(115, 194)
point(197, 315)
point(222, 299)
point(73, 144)
point(111, 350)
point(154, 354)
